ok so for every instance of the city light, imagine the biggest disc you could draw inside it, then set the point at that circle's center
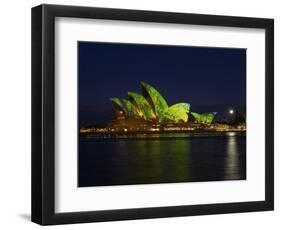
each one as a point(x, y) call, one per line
point(231, 111)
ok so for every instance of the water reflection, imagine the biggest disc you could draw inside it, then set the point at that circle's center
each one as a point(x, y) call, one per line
point(154, 161)
point(235, 160)
point(231, 160)
point(162, 159)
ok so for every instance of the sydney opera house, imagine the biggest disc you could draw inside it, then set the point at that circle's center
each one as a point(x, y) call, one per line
point(149, 111)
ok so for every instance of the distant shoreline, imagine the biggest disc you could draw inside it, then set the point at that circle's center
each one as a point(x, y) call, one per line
point(153, 133)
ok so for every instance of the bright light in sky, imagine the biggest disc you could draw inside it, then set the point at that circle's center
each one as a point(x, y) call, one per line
point(231, 111)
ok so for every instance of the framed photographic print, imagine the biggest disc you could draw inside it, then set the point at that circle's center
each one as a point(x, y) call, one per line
point(142, 114)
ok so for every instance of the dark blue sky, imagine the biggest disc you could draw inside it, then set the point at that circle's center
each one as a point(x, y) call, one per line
point(210, 79)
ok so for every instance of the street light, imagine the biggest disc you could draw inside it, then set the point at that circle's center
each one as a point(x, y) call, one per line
point(231, 111)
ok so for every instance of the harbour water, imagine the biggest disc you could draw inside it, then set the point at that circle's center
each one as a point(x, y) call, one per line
point(161, 158)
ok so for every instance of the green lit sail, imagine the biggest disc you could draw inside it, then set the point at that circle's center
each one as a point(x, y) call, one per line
point(158, 102)
point(177, 112)
point(143, 107)
point(125, 105)
point(118, 104)
point(204, 117)
point(131, 109)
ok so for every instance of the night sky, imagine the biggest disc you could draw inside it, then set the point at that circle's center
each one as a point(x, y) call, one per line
point(210, 79)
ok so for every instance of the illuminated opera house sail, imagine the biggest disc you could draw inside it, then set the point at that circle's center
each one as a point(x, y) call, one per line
point(150, 108)
point(204, 117)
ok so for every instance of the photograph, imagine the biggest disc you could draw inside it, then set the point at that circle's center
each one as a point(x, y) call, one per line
point(157, 113)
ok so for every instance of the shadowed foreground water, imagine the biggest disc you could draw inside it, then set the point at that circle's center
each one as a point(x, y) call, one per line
point(162, 159)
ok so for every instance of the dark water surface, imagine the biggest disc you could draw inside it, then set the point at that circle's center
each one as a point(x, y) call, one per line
point(162, 158)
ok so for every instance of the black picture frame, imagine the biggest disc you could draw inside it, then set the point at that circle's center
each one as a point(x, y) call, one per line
point(43, 110)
